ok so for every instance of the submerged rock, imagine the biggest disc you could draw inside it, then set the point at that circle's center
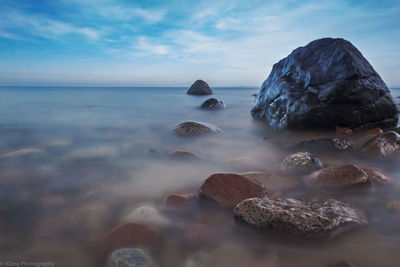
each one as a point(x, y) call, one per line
point(383, 145)
point(394, 207)
point(199, 87)
point(228, 189)
point(309, 218)
point(148, 215)
point(324, 84)
point(130, 257)
point(212, 104)
point(301, 162)
point(191, 128)
point(179, 203)
point(339, 177)
point(334, 144)
point(183, 155)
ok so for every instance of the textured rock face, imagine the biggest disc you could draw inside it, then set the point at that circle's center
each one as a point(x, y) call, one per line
point(383, 145)
point(191, 128)
point(339, 177)
point(130, 257)
point(199, 87)
point(325, 84)
point(212, 104)
point(301, 162)
point(335, 144)
point(310, 218)
point(228, 189)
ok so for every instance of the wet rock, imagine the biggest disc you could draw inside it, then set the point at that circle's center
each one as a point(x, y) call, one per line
point(301, 162)
point(324, 84)
point(183, 155)
point(374, 131)
point(383, 145)
point(175, 202)
point(394, 207)
point(376, 177)
point(130, 257)
point(394, 129)
point(212, 104)
point(343, 131)
point(148, 215)
point(228, 189)
point(334, 144)
point(192, 128)
point(309, 218)
point(130, 235)
point(199, 87)
point(339, 177)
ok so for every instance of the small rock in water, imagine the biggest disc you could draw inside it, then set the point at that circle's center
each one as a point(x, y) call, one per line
point(383, 145)
point(148, 215)
point(343, 131)
point(177, 202)
point(192, 128)
point(130, 257)
point(334, 144)
point(374, 131)
point(394, 206)
point(184, 155)
point(199, 259)
point(309, 218)
point(212, 104)
point(376, 177)
point(301, 162)
point(199, 87)
point(130, 235)
point(339, 177)
point(228, 189)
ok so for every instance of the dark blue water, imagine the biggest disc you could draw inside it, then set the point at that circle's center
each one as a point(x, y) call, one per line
point(74, 163)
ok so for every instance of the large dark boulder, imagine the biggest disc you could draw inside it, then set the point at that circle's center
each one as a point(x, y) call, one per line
point(325, 84)
point(199, 87)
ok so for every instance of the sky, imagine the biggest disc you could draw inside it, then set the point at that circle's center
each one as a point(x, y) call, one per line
point(173, 43)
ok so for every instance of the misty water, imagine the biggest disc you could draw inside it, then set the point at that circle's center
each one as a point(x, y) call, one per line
point(75, 162)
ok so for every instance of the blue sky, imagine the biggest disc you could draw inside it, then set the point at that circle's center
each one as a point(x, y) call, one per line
point(172, 43)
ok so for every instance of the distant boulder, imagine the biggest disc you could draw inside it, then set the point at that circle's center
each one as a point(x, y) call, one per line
point(212, 104)
point(199, 87)
point(192, 128)
point(325, 84)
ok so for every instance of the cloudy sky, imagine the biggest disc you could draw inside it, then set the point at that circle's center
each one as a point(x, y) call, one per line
point(172, 43)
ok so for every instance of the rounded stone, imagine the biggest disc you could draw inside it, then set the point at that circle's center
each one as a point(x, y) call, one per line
point(148, 215)
point(192, 128)
point(383, 145)
point(212, 104)
point(301, 162)
point(130, 257)
point(199, 87)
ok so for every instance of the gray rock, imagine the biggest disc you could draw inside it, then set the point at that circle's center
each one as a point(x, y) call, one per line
point(383, 145)
point(301, 162)
point(191, 128)
point(309, 218)
point(199, 87)
point(130, 257)
point(334, 144)
point(212, 104)
point(325, 84)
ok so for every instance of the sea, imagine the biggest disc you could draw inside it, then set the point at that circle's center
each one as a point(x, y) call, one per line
point(75, 162)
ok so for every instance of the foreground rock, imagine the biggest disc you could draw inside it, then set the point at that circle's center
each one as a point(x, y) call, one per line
point(130, 257)
point(383, 145)
point(212, 104)
point(199, 87)
point(148, 215)
point(334, 144)
point(301, 162)
point(192, 128)
point(228, 189)
point(325, 84)
point(309, 218)
point(339, 177)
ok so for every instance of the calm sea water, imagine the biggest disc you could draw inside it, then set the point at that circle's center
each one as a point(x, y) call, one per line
point(74, 163)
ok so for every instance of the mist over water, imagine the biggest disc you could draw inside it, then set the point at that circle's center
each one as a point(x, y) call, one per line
point(74, 162)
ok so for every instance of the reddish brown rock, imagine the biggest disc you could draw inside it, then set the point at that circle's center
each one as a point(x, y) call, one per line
point(376, 177)
point(374, 131)
point(184, 155)
point(383, 145)
point(343, 131)
point(228, 189)
point(175, 202)
point(339, 177)
point(129, 235)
